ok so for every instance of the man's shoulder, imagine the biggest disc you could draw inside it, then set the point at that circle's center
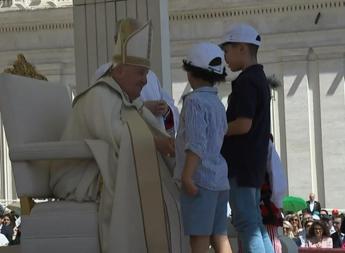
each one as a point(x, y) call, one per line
point(100, 89)
point(254, 77)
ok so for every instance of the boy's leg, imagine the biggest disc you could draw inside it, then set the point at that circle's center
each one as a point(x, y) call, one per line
point(219, 238)
point(199, 243)
point(198, 214)
point(221, 244)
point(244, 202)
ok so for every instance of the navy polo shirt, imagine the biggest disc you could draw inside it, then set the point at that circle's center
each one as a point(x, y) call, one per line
point(246, 154)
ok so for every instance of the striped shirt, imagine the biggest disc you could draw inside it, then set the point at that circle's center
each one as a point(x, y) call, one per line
point(202, 128)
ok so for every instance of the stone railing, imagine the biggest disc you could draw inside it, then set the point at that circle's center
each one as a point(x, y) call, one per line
point(312, 250)
point(14, 5)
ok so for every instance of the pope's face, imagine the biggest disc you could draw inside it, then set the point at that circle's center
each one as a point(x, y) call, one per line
point(132, 79)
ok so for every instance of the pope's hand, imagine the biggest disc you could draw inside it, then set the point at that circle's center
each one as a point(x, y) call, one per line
point(165, 146)
point(157, 107)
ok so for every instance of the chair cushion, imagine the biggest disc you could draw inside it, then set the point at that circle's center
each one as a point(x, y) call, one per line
point(61, 226)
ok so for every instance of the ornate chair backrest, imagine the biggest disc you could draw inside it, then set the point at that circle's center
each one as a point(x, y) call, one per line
point(32, 111)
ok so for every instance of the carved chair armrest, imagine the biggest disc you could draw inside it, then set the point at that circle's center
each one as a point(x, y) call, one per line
point(50, 151)
point(47, 151)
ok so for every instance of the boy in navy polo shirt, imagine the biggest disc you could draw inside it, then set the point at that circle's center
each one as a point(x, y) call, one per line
point(246, 142)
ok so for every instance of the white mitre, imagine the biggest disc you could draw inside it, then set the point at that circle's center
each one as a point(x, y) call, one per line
point(132, 46)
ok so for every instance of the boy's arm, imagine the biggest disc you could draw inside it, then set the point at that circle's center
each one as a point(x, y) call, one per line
point(190, 166)
point(239, 126)
point(244, 110)
point(196, 143)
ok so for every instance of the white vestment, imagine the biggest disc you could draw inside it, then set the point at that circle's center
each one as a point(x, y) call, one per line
point(100, 113)
point(153, 91)
point(277, 177)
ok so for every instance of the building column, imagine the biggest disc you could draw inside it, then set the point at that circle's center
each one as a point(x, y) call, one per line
point(94, 30)
point(280, 124)
point(344, 75)
point(2, 163)
point(7, 186)
point(314, 104)
point(161, 62)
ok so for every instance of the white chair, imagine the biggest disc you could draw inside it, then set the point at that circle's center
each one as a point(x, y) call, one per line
point(34, 114)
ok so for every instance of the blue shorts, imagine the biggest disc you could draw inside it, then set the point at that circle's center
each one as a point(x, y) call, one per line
point(205, 213)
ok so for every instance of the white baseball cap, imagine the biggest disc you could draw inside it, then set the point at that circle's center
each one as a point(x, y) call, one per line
point(242, 33)
point(207, 56)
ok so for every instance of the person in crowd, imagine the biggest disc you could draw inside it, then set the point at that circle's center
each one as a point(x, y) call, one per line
point(16, 231)
point(245, 146)
point(3, 239)
point(319, 236)
point(288, 232)
point(199, 165)
point(338, 237)
point(7, 227)
point(312, 204)
point(295, 222)
point(306, 216)
point(335, 212)
point(304, 234)
point(287, 229)
point(342, 227)
point(129, 178)
point(327, 219)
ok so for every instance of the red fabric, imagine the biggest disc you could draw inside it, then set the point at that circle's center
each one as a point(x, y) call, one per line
point(271, 215)
point(169, 120)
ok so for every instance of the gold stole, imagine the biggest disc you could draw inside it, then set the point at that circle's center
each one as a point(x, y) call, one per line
point(149, 183)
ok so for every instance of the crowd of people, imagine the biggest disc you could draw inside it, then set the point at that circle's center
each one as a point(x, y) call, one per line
point(315, 227)
point(9, 227)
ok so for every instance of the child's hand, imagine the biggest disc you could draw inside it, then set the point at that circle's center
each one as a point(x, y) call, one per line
point(188, 185)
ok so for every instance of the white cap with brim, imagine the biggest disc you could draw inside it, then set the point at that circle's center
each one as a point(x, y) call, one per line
point(242, 33)
point(207, 56)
